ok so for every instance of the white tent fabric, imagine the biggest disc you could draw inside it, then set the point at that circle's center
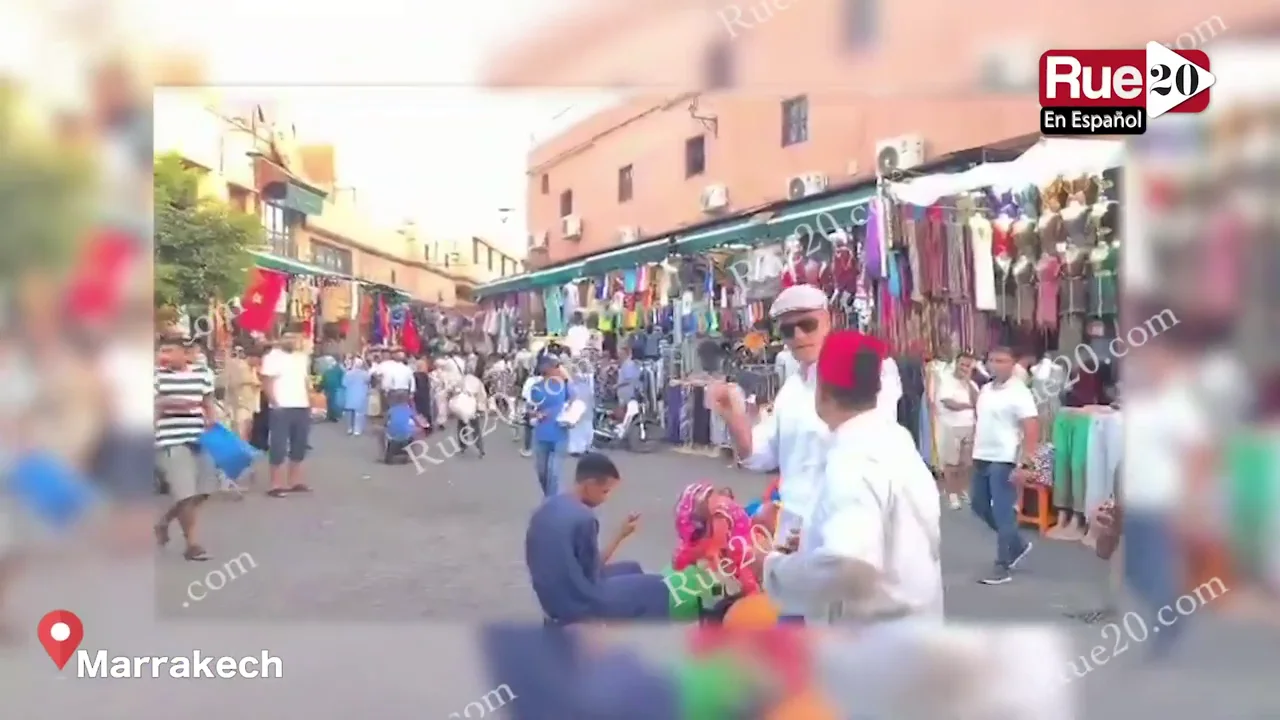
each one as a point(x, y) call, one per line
point(1039, 165)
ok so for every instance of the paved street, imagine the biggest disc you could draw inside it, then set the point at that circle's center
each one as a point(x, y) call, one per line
point(368, 590)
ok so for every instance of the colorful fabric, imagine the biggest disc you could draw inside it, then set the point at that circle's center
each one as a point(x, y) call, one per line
point(712, 527)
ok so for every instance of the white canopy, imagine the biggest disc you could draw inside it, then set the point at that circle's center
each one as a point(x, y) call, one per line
point(1039, 165)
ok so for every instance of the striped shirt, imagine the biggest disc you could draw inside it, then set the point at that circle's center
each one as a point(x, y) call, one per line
point(182, 427)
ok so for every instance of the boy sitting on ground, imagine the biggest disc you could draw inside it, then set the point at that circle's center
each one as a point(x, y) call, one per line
point(401, 427)
point(573, 579)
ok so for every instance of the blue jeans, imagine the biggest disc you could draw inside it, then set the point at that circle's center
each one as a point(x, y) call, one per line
point(1152, 570)
point(548, 459)
point(355, 421)
point(992, 495)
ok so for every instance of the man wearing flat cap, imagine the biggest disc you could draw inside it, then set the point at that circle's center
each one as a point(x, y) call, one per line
point(869, 549)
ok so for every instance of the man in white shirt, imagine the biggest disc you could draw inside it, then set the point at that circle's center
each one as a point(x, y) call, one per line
point(395, 374)
point(286, 379)
point(785, 365)
point(1004, 443)
point(869, 550)
point(577, 336)
point(956, 396)
point(791, 439)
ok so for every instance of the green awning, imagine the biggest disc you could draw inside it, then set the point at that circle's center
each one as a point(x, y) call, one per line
point(532, 281)
point(819, 215)
point(627, 257)
point(733, 231)
point(292, 267)
point(304, 200)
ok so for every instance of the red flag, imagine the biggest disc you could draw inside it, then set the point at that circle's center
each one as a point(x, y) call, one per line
point(102, 273)
point(409, 339)
point(260, 300)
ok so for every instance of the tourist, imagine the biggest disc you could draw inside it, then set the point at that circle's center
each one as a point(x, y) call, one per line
point(285, 381)
point(869, 551)
point(1004, 443)
point(184, 410)
point(571, 575)
point(792, 439)
point(548, 398)
point(957, 394)
point(355, 396)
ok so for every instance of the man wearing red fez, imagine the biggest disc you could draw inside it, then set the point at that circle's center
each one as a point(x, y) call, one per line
point(869, 549)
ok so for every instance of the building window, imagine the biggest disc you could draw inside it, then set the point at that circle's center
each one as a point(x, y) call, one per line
point(490, 259)
point(447, 258)
point(393, 277)
point(566, 203)
point(718, 65)
point(624, 184)
point(546, 184)
point(426, 253)
point(795, 120)
point(861, 23)
point(695, 156)
point(331, 258)
point(475, 252)
point(275, 220)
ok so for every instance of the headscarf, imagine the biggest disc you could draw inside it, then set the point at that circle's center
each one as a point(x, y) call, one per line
point(695, 529)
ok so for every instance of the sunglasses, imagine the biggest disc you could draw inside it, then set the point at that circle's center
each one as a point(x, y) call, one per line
point(808, 325)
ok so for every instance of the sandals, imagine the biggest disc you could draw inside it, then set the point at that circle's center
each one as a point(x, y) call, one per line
point(277, 493)
point(299, 488)
point(195, 553)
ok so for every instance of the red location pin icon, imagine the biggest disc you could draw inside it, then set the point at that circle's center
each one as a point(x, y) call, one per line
point(60, 633)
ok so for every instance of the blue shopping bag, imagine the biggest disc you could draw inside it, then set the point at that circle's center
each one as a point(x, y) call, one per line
point(51, 490)
point(228, 451)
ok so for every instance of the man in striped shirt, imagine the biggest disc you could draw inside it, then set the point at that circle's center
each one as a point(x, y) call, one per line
point(184, 409)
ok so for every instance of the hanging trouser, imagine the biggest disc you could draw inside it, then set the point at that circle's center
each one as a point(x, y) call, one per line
point(1071, 457)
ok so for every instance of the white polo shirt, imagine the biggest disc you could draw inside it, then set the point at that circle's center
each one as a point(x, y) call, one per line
point(1002, 407)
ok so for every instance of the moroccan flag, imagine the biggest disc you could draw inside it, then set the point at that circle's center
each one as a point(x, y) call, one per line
point(103, 272)
point(260, 300)
point(409, 339)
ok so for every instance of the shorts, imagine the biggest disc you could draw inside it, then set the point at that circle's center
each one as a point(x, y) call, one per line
point(955, 445)
point(289, 431)
point(186, 471)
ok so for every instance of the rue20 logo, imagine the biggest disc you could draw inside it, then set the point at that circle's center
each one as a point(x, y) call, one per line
point(1155, 79)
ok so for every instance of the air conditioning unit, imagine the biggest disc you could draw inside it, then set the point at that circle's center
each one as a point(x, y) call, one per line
point(895, 155)
point(571, 227)
point(628, 235)
point(714, 197)
point(806, 185)
point(538, 240)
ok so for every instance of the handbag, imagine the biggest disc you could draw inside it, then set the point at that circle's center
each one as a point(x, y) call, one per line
point(1108, 530)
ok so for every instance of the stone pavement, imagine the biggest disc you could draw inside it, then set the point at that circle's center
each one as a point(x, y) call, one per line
point(369, 589)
